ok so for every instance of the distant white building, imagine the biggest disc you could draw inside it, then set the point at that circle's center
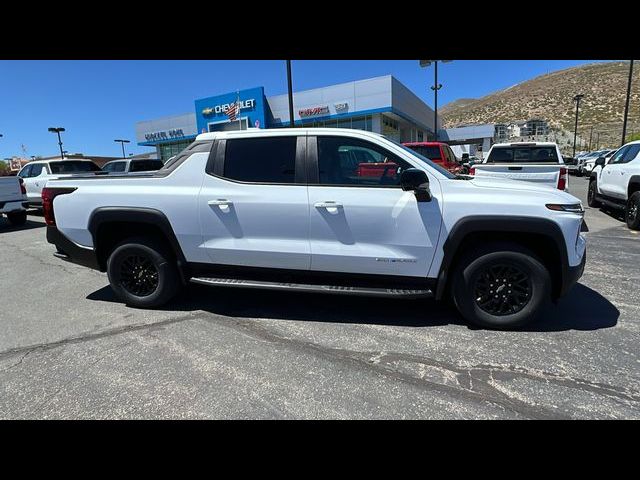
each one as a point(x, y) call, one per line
point(526, 128)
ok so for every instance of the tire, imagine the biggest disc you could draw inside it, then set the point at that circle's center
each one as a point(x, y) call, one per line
point(472, 283)
point(591, 195)
point(632, 213)
point(17, 218)
point(143, 273)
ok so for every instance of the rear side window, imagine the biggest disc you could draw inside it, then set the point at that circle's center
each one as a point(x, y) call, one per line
point(523, 155)
point(73, 167)
point(261, 160)
point(145, 165)
point(115, 167)
point(36, 169)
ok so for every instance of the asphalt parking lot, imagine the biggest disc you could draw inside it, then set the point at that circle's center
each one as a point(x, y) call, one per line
point(68, 349)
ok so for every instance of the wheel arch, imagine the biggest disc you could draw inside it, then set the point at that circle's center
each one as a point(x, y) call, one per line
point(544, 237)
point(634, 185)
point(110, 225)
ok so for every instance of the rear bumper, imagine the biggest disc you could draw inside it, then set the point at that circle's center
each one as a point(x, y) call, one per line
point(12, 206)
point(71, 252)
point(572, 275)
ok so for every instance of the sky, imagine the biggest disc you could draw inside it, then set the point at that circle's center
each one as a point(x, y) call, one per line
point(98, 101)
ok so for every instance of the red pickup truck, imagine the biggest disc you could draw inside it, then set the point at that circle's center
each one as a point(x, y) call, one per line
point(437, 152)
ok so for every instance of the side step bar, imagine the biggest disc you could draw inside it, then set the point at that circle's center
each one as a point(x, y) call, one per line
point(609, 203)
point(303, 287)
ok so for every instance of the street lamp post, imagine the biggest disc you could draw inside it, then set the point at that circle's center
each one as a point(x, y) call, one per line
point(122, 142)
point(58, 130)
point(626, 105)
point(436, 86)
point(576, 99)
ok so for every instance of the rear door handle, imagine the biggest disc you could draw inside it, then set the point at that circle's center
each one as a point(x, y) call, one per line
point(221, 202)
point(515, 168)
point(328, 205)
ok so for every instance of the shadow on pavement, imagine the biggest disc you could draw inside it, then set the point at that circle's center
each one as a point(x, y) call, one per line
point(6, 227)
point(582, 309)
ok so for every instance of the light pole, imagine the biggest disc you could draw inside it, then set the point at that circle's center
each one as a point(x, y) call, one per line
point(436, 86)
point(626, 105)
point(58, 130)
point(122, 142)
point(576, 99)
point(290, 90)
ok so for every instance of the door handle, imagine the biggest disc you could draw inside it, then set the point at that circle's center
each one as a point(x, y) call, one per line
point(221, 202)
point(328, 205)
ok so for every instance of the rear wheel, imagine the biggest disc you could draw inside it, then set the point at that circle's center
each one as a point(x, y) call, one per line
point(17, 218)
point(591, 195)
point(633, 211)
point(143, 273)
point(501, 286)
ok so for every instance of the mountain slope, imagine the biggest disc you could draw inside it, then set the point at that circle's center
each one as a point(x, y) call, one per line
point(550, 97)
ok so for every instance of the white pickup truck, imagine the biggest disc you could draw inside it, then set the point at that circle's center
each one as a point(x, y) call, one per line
point(13, 200)
point(537, 162)
point(284, 209)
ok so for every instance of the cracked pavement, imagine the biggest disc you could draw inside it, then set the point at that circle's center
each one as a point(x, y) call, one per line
point(68, 349)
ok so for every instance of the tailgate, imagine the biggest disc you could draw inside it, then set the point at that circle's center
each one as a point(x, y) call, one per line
point(10, 189)
point(539, 174)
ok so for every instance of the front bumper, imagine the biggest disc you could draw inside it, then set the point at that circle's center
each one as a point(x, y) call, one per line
point(71, 252)
point(571, 275)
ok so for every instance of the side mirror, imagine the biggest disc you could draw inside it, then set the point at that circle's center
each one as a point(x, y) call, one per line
point(600, 161)
point(465, 156)
point(416, 180)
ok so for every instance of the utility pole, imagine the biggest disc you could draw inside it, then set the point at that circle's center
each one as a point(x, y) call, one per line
point(576, 99)
point(626, 105)
point(590, 137)
point(122, 142)
point(436, 86)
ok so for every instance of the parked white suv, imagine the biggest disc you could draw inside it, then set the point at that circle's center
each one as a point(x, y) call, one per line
point(537, 162)
point(287, 209)
point(36, 174)
point(616, 183)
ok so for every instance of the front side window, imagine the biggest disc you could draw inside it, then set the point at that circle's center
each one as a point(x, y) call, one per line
point(618, 157)
point(25, 172)
point(348, 161)
point(261, 160)
point(631, 154)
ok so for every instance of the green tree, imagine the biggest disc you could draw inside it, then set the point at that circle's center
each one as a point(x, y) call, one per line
point(4, 168)
point(634, 137)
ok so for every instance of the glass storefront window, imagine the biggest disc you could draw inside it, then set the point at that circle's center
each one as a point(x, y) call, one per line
point(359, 123)
point(168, 150)
point(344, 123)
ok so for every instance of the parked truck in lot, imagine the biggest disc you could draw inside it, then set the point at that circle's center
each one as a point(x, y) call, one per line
point(616, 183)
point(13, 200)
point(536, 162)
point(280, 209)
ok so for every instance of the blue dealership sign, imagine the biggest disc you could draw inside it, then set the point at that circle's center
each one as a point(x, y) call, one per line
point(211, 111)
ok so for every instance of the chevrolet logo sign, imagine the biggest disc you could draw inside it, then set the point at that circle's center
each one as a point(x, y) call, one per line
point(207, 111)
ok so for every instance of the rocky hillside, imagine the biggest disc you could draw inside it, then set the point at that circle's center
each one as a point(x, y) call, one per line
point(550, 97)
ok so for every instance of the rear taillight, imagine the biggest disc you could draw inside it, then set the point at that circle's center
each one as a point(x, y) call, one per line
point(22, 187)
point(562, 179)
point(472, 171)
point(48, 194)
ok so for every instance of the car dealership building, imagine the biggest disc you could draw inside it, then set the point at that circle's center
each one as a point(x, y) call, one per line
point(381, 104)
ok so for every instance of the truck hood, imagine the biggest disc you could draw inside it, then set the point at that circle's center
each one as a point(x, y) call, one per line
point(509, 184)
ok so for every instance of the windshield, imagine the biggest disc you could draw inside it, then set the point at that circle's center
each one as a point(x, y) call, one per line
point(73, 167)
point(433, 165)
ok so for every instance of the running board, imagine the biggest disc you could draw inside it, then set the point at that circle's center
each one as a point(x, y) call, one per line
point(303, 287)
point(609, 203)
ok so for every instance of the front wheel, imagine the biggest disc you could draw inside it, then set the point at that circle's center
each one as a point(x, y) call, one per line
point(633, 211)
point(501, 286)
point(143, 273)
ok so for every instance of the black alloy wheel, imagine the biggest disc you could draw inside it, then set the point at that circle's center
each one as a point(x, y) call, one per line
point(502, 289)
point(138, 275)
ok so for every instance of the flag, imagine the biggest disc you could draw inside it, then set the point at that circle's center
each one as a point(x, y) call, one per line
point(234, 110)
